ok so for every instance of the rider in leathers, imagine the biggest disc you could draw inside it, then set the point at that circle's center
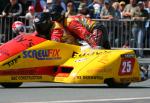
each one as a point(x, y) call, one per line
point(52, 30)
point(81, 28)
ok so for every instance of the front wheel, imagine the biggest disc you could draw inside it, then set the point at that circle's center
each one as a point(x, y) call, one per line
point(11, 85)
point(112, 84)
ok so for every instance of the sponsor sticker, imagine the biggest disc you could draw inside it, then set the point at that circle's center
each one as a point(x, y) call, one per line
point(51, 54)
point(133, 79)
point(81, 60)
point(26, 77)
point(91, 53)
point(128, 56)
point(12, 62)
point(89, 77)
point(27, 42)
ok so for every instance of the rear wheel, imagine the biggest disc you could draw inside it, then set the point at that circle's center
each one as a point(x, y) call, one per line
point(112, 84)
point(11, 85)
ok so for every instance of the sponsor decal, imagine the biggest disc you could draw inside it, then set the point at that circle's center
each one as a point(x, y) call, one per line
point(26, 77)
point(51, 54)
point(126, 66)
point(24, 41)
point(133, 79)
point(74, 53)
point(29, 71)
point(81, 60)
point(90, 53)
point(12, 62)
point(128, 56)
point(89, 77)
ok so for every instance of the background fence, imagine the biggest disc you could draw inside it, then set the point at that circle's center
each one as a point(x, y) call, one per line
point(6, 33)
point(122, 32)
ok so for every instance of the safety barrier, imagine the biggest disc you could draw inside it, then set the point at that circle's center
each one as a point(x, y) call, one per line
point(120, 32)
point(6, 33)
point(126, 32)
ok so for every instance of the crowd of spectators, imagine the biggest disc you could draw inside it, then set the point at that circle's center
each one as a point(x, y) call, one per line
point(95, 9)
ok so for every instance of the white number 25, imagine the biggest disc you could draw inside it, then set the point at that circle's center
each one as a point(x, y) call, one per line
point(126, 67)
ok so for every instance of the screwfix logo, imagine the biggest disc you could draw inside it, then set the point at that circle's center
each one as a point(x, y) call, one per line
point(51, 54)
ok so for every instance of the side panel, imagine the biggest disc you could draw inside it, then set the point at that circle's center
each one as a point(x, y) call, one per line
point(18, 44)
point(28, 74)
point(48, 53)
point(103, 64)
point(33, 63)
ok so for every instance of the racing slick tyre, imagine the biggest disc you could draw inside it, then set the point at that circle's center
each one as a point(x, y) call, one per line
point(112, 84)
point(11, 85)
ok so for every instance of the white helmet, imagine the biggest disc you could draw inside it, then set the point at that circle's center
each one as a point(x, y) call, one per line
point(18, 26)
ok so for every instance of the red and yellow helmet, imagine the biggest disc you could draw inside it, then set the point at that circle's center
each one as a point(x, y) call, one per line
point(18, 26)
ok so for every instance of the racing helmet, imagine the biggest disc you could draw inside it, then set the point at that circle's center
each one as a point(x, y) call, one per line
point(57, 13)
point(18, 26)
point(43, 23)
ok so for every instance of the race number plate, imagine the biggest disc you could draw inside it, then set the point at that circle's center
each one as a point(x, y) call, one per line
point(126, 66)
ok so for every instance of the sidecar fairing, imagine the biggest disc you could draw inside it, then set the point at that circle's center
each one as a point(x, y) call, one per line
point(28, 58)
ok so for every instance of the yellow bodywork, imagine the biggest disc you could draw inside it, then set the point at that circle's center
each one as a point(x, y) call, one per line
point(94, 66)
point(89, 66)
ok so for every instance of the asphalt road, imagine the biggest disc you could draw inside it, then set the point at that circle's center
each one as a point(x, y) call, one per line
point(70, 93)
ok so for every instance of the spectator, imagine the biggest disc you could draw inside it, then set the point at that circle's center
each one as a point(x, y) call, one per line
point(82, 2)
point(145, 3)
point(30, 15)
point(148, 8)
point(126, 45)
point(60, 2)
point(95, 8)
point(148, 25)
point(70, 9)
point(122, 26)
point(121, 7)
point(39, 5)
point(130, 10)
point(83, 10)
point(117, 15)
point(23, 3)
point(49, 3)
point(108, 11)
point(12, 9)
point(3, 4)
point(138, 28)
point(116, 23)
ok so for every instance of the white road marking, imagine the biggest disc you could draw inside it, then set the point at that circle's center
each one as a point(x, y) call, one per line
point(91, 100)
